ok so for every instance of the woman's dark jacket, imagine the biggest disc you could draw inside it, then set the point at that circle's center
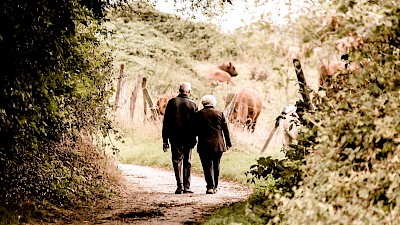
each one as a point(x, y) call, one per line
point(178, 122)
point(212, 130)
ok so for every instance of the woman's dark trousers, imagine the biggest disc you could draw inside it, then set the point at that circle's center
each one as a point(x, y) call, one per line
point(210, 162)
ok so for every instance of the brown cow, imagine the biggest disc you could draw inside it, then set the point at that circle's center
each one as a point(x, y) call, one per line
point(162, 102)
point(222, 73)
point(247, 108)
point(333, 68)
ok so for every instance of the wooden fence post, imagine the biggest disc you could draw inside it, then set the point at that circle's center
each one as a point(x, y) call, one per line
point(304, 90)
point(305, 94)
point(230, 104)
point(147, 100)
point(134, 97)
point(121, 81)
point(277, 120)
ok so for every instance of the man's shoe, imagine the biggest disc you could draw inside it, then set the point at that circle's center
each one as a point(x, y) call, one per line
point(215, 190)
point(187, 191)
point(179, 191)
point(210, 191)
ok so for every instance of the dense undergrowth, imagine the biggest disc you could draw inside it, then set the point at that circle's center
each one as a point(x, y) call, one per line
point(54, 99)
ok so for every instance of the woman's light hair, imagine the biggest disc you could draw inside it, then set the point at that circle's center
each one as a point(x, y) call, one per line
point(185, 87)
point(208, 100)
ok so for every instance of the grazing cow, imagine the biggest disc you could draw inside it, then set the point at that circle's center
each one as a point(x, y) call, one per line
point(222, 73)
point(247, 108)
point(333, 68)
point(162, 102)
point(290, 125)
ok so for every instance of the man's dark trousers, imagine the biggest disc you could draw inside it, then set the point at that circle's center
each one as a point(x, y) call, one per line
point(181, 161)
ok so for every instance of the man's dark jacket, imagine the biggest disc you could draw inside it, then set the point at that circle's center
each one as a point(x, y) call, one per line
point(212, 131)
point(178, 122)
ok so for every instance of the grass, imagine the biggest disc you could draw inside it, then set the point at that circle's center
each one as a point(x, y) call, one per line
point(229, 215)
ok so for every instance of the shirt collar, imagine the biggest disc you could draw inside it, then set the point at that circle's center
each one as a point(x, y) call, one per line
point(183, 95)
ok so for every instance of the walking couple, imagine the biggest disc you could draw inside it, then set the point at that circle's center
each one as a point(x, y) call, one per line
point(182, 124)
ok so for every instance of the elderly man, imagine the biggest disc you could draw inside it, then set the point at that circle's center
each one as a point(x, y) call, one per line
point(177, 129)
point(213, 140)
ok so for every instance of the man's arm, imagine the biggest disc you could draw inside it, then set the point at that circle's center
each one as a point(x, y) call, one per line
point(168, 119)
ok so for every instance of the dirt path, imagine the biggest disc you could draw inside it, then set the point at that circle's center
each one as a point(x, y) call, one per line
point(147, 197)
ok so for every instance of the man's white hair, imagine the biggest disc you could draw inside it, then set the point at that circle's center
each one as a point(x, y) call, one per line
point(185, 87)
point(209, 100)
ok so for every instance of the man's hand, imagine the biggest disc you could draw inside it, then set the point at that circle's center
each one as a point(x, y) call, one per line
point(165, 147)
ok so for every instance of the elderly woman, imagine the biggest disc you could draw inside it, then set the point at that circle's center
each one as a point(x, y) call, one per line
point(213, 140)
